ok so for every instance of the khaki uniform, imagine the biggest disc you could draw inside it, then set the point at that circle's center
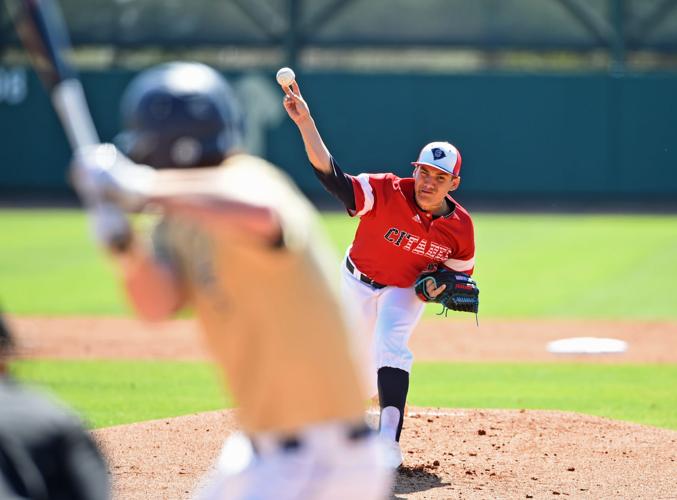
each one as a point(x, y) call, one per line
point(271, 315)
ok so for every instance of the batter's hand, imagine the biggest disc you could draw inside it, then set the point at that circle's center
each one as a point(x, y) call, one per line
point(433, 291)
point(295, 105)
point(110, 226)
point(102, 173)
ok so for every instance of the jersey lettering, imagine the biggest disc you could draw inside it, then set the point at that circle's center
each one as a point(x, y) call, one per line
point(420, 248)
point(394, 232)
point(434, 252)
point(443, 254)
point(438, 252)
point(403, 234)
point(412, 239)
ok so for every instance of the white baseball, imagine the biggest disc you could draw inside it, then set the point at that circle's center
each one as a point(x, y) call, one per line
point(285, 76)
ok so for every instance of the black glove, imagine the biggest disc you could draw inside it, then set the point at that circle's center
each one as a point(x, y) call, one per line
point(460, 294)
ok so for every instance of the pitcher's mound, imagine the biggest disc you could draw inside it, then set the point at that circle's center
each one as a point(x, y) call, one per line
point(447, 454)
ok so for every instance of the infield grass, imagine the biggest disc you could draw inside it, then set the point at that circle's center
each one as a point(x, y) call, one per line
point(528, 265)
point(120, 392)
point(638, 393)
point(117, 392)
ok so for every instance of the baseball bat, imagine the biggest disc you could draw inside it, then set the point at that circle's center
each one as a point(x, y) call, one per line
point(43, 33)
point(42, 30)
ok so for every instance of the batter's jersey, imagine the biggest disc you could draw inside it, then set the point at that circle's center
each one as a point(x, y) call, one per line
point(271, 315)
point(396, 240)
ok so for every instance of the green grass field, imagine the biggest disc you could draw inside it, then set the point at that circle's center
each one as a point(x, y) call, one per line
point(528, 266)
point(584, 266)
point(119, 392)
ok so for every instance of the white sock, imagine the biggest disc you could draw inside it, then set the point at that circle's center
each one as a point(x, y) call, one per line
point(390, 420)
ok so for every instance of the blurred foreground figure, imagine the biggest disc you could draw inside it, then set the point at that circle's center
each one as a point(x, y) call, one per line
point(45, 452)
point(237, 241)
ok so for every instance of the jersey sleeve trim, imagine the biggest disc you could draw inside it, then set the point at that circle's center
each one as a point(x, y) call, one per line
point(368, 194)
point(460, 265)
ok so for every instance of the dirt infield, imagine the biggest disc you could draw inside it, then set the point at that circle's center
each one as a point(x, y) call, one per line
point(448, 453)
point(434, 340)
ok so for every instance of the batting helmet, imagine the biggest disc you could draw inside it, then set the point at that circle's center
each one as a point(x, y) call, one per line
point(179, 115)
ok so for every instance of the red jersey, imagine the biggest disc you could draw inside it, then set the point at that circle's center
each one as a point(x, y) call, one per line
point(396, 240)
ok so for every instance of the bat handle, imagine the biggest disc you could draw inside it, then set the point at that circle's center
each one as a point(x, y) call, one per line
point(69, 101)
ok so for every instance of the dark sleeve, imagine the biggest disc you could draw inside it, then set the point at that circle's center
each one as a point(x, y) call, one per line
point(46, 452)
point(20, 477)
point(338, 184)
point(85, 472)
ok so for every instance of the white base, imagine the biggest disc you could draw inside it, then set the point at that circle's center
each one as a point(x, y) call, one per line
point(587, 345)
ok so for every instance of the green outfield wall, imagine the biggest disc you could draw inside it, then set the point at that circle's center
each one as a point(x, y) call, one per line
point(525, 135)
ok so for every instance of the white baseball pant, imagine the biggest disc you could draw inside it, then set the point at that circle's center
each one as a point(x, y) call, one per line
point(386, 316)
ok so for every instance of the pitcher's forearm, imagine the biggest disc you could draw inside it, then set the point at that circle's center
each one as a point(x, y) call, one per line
point(317, 152)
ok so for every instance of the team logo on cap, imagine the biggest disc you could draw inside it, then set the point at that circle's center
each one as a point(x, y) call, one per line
point(438, 154)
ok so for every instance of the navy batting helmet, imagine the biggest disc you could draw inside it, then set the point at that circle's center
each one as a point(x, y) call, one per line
point(179, 115)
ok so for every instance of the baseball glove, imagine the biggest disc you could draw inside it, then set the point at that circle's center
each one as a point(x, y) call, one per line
point(460, 294)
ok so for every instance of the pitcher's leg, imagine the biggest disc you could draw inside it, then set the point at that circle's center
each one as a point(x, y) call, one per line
point(399, 313)
point(360, 303)
point(393, 387)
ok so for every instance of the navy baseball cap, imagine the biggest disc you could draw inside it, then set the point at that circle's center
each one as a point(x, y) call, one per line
point(442, 156)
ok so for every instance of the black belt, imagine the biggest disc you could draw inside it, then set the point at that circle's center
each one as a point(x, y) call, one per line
point(363, 277)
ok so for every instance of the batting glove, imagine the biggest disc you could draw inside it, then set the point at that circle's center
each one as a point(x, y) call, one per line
point(110, 226)
point(108, 184)
point(102, 172)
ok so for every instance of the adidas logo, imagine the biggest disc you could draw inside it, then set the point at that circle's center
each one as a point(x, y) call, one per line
point(416, 218)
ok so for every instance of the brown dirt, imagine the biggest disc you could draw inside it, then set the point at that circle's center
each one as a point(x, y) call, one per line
point(437, 339)
point(106, 338)
point(448, 453)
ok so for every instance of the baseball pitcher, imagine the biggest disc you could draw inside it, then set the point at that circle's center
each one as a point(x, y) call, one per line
point(239, 243)
point(414, 243)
